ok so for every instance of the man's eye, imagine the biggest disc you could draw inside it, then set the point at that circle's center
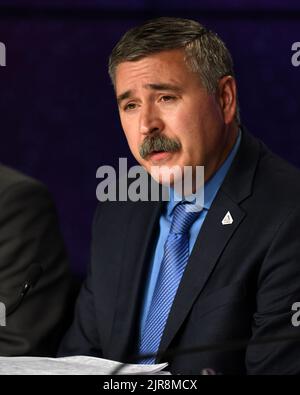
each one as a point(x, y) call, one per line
point(167, 98)
point(129, 106)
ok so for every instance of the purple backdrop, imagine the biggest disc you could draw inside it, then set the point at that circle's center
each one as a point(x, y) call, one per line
point(59, 119)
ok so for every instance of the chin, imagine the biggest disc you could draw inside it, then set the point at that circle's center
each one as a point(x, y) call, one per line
point(167, 175)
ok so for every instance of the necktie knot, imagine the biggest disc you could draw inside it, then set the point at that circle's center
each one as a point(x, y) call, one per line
point(183, 218)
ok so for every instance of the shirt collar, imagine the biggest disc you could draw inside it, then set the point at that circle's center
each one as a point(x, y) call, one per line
point(212, 186)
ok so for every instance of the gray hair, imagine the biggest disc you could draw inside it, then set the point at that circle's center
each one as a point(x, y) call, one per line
point(206, 53)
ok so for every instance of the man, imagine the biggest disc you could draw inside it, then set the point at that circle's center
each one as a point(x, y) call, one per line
point(34, 274)
point(161, 279)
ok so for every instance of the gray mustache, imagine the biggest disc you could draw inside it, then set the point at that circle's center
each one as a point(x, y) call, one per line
point(158, 143)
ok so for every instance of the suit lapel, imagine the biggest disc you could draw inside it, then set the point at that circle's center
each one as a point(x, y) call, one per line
point(211, 241)
point(142, 231)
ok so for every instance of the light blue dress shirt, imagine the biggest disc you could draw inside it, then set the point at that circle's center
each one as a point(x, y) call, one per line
point(210, 190)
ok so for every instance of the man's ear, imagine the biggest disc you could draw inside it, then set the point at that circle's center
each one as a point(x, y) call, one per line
point(227, 98)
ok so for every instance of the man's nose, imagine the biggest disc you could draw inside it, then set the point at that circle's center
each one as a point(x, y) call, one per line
point(150, 121)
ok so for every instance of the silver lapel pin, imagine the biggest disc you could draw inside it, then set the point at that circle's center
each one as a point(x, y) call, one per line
point(227, 220)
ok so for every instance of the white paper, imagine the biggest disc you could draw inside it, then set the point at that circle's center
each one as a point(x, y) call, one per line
point(76, 365)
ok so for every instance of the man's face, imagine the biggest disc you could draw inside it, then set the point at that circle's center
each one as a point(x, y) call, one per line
point(158, 96)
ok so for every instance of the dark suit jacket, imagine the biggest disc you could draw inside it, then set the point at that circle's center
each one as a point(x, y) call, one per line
point(240, 282)
point(29, 234)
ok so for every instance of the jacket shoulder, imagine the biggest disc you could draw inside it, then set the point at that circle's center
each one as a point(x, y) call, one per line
point(10, 178)
point(278, 175)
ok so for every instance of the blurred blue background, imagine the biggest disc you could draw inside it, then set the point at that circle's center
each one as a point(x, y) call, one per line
point(59, 119)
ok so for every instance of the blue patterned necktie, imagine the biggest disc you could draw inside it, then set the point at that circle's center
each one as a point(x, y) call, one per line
point(176, 254)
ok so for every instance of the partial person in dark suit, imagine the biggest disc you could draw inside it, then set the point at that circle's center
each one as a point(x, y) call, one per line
point(161, 279)
point(35, 281)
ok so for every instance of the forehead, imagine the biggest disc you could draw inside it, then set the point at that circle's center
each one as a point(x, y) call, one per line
point(163, 67)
